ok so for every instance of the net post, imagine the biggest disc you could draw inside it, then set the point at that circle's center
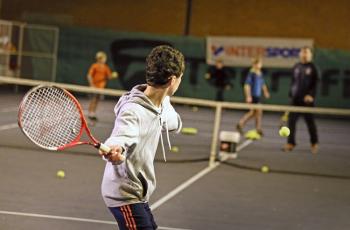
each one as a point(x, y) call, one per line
point(217, 121)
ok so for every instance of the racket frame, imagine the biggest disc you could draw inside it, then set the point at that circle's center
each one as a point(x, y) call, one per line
point(94, 142)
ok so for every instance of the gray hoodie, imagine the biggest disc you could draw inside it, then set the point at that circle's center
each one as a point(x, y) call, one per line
point(137, 129)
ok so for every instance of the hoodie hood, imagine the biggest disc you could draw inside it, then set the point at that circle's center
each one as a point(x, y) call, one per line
point(137, 96)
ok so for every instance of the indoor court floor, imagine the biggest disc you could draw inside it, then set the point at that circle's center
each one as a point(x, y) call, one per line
point(301, 191)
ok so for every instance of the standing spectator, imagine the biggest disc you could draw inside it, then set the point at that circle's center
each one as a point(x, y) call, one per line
point(302, 93)
point(219, 76)
point(8, 58)
point(254, 86)
point(98, 75)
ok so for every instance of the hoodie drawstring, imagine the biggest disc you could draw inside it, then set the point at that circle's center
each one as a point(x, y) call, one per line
point(167, 135)
point(161, 140)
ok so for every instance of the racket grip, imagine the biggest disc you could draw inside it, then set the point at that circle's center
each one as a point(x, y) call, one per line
point(104, 148)
point(107, 149)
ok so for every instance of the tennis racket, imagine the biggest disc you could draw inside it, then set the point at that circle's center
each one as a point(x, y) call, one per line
point(52, 118)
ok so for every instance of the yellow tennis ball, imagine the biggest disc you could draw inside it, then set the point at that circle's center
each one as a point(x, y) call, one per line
point(265, 169)
point(284, 131)
point(174, 149)
point(195, 109)
point(60, 174)
point(114, 75)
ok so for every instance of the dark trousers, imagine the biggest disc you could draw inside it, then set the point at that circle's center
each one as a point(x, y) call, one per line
point(134, 217)
point(220, 94)
point(309, 119)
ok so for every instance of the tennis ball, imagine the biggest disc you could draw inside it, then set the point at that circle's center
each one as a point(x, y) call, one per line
point(265, 169)
point(194, 109)
point(114, 75)
point(60, 174)
point(174, 149)
point(284, 131)
point(189, 131)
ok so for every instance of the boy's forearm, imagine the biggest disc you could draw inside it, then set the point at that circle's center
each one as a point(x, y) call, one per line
point(265, 89)
point(89, 77)
point(247, 90)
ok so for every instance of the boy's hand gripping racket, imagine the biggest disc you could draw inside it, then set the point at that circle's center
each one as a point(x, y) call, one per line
point(53, 119)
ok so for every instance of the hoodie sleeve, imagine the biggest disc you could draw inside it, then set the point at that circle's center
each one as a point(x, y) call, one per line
point(172, 118)
point(126, 130)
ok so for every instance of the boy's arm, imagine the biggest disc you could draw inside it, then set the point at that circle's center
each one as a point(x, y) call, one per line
point(247, 90)
point(209, 73)
point(89, 77)
point(90, 74)
point(266, 91)
point(125, 134)
point(108, 72)
point(173, 119)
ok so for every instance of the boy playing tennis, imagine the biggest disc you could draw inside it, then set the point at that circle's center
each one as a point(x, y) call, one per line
point(98, 75)
point(254, 86)
point(141, 115)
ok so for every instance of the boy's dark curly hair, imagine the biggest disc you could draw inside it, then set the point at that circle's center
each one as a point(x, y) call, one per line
point(162, 63)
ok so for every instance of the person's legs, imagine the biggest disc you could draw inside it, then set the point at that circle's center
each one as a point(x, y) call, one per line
point(148, 210)
point(293, 117)
point(311, 125)
point(119, 217)
point(258, 118)
point(246, 117)
point(220, 94)
point(93, 106)
point(292, 120)
point(134, 216)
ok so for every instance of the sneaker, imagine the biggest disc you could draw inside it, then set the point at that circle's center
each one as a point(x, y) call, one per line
point(288, 147)
point(239, 129)
point(314, 148)
point(260, 132)
point(93, 118)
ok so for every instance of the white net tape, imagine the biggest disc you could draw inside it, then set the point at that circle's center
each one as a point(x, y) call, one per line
point(50, 118)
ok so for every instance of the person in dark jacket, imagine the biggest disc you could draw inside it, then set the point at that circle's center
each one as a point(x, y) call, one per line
point(219, 76)
point(302, 93)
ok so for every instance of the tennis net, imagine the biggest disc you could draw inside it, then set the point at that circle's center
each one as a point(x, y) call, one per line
point(209, 118)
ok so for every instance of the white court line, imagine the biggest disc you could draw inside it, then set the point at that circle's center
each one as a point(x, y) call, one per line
point(193, 179)
point(73, 219)
point(182, 186)
point(243, 145)
point(8, 126)
point(10, 109)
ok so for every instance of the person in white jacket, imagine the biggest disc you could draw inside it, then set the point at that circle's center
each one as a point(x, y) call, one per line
point(141, 116)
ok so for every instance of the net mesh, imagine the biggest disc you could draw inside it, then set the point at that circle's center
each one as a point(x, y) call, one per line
point(49, 117)
point(332, 159)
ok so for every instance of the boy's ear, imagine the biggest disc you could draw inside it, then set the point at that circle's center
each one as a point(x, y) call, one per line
point(171, 81)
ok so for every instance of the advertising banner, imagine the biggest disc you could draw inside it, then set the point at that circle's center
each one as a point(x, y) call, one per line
point(239, 51)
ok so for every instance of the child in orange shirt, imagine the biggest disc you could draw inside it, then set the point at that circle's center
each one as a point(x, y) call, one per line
point(98, 75)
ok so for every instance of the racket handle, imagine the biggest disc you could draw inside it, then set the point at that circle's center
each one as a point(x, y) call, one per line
point(104, 148)
point(107, 149)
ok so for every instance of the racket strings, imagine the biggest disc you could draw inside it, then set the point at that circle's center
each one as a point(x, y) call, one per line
point(50, 117)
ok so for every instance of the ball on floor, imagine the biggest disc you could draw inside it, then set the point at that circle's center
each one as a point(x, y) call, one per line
point(265, 169)
point(284, 131)
point(60, 174)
